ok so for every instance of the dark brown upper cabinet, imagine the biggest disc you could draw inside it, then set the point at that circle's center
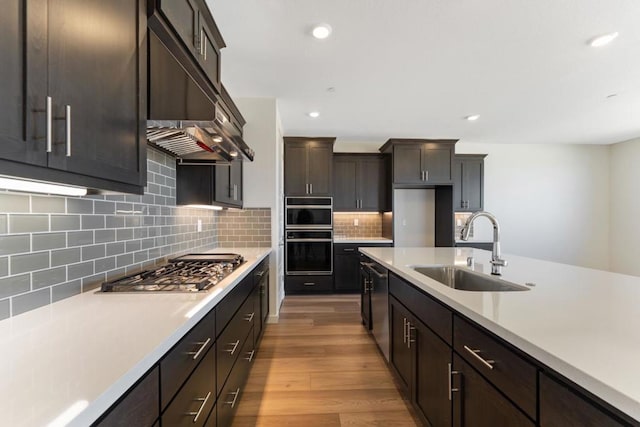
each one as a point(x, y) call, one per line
point(421, 161)
point(308, 166)
point(468, 182)
point(73, 108)
point(209, 184)
point(360, 183)
point(198, 32)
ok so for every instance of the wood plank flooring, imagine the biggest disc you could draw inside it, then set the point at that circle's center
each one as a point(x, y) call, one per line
point(318, 367)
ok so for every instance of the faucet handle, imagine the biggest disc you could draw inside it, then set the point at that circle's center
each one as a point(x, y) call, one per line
point(499, 262)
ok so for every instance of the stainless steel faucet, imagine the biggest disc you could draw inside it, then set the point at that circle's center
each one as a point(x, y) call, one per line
point(496, 262)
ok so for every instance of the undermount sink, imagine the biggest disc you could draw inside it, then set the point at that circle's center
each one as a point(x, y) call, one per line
point(466, 280)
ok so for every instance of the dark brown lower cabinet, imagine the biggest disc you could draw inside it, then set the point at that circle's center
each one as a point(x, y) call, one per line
point(365, 293)
point(562, 407)
point(399, 353)
point(192, 404)
point(477, 403)
point(212, 421)
point(139, 406)
point(230, 395)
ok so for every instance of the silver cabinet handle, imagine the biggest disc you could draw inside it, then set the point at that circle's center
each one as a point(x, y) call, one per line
point(201, 41)
point(450, 375)
point(204, 345)
point(261, 273)
point(310, 188)
point(426, 175)
point(235, 346)
point(404, 330)
point(348, 249)
point(235, 191)
point(309, 284)
point(366, 285)
point(49, 125)
point(409, 329)
point(250, 354)
point(485, 362)
point(68, 129)
point(249, 317)
point(235, 397)
point(204, 403)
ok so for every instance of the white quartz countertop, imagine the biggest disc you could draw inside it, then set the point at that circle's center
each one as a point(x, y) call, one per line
point(356, 240)
point(80, 354)
point(581, 322)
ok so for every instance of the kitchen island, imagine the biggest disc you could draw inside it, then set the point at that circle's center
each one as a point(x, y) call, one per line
point(67, 363)
point(579, 322)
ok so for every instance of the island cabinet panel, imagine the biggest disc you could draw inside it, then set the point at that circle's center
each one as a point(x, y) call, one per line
point(400, 356)
point(560, 406)
point(139, 406)
point(421, 161)
point(72, 110)
point(509, 372)
point(308, 165)
point(476, 403)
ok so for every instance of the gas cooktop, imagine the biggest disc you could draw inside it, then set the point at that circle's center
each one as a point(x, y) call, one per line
point(188, 273)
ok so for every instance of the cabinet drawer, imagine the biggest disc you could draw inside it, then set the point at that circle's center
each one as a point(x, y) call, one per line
point(509, 372)
point(193, 403)
point(230, 394)
point(227, 308)
point(232, 340)
point(430, 312)
point(180, 361)
point(308, 284)
point(345, 249)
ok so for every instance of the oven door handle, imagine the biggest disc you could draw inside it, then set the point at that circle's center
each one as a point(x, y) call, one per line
point(309, 240)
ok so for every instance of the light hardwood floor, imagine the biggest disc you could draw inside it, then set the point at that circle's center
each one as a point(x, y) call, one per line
point(319, 367)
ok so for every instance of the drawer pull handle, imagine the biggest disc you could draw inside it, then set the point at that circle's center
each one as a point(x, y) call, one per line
point(249, 317)
point(261, 273)
point(309, 284)
point(204, 403)
point(487, 363)
point(204, 345)
point(451, 373)
point(251, 354)
point(404, 330)
point(235, 397)
point(235, 346)
point(409, 339)
point(348, 249)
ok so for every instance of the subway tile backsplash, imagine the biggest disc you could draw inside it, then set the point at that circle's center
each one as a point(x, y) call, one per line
point(369, 225)
point(245, 228)
point(54, 247)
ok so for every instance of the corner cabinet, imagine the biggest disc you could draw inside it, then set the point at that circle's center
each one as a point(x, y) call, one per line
point(74, 111)
point(308, 166)
point(360, 183)
point(421, 161)
point(468, 182)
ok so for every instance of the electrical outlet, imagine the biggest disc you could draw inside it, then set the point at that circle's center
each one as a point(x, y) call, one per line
point(199, 225)
point(356, 222)
point(459, 222)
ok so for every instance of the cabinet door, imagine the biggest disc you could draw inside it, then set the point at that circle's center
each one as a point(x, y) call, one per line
point(194, 185)
point(183, 17)
point(458, 201)
point(208, 56)
point(365, 298)
point(95, 84)
point(295, 169)
point(472, 181)
point(561, 407)
point(236, 181)
point(22, 36)
point(371, 184)
point(431, 388)
point(400, 355)
point(477, 403)
point(346, 268)
point(407, 167)
point(319, 161)
point(436, 162)
point(228, 187)
point(344, 183)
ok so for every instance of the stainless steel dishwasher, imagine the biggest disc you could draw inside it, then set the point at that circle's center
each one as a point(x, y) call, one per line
point(379, 291)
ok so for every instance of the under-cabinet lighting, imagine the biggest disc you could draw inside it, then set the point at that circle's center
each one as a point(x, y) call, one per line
point(357, 213)
point(210, 207)
point(69, 414)
point(41, 187)
point(321, 31)
point(603, 39)
point(314, 114)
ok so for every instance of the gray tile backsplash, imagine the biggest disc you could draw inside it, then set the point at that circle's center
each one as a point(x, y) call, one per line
point(54, 247)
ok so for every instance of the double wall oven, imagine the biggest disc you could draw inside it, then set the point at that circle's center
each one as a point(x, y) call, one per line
point(308, 236)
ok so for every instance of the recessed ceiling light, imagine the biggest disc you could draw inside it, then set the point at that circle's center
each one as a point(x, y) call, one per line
point(314, 114)
point(331, 89)
point(613, 95)
point(473, 117)
point(603, 39)
point(321, 31)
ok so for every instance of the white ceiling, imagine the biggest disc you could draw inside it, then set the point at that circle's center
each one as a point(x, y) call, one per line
point(416, 68)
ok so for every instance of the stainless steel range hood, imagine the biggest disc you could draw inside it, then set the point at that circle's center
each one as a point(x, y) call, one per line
point(186, 120)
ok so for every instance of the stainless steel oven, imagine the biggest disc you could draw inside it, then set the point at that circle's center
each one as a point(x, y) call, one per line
point(309, 212)
point(309, 252)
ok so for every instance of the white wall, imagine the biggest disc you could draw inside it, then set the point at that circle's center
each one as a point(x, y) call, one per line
point(262, 178)
point(360, 146)
point(625, 207)
point(552, 201)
